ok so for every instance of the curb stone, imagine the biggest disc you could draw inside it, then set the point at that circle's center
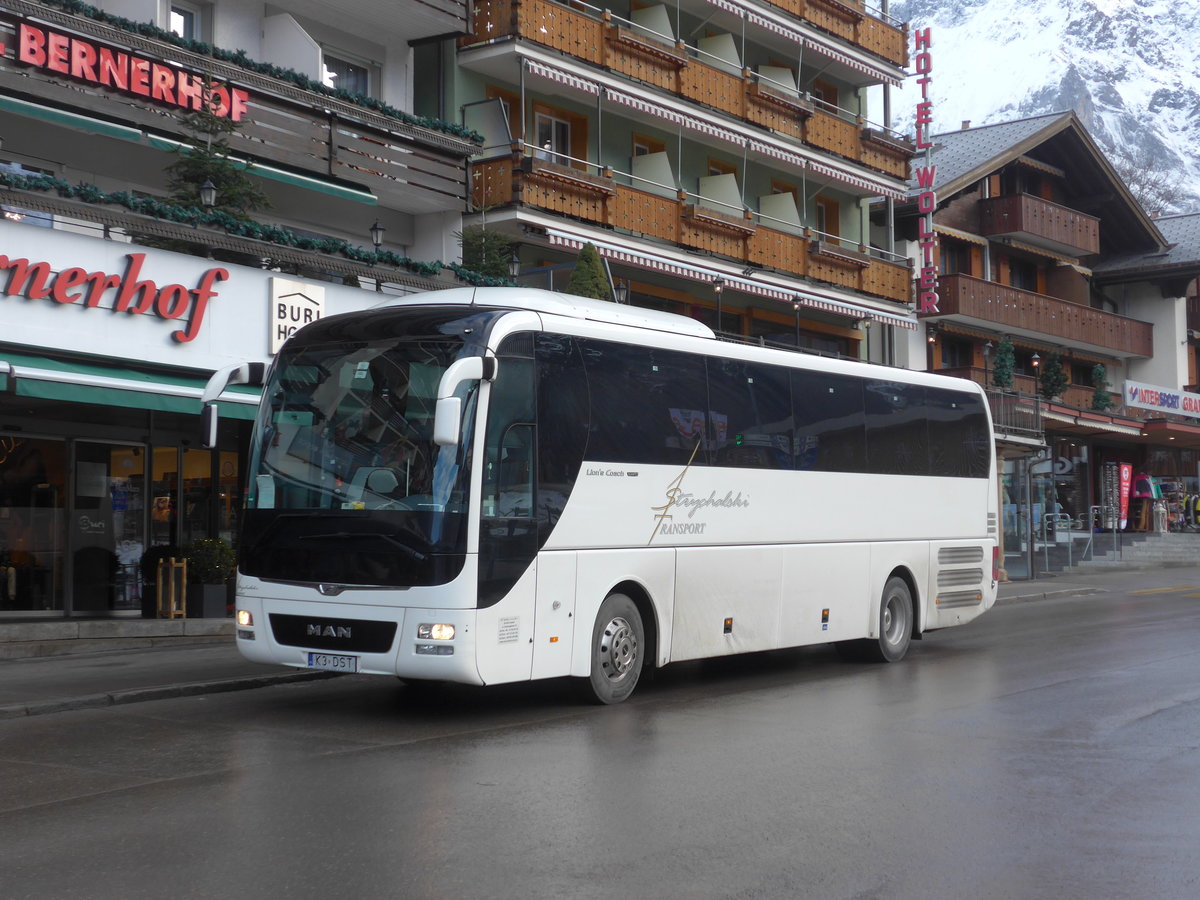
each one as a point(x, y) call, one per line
point(161, 692)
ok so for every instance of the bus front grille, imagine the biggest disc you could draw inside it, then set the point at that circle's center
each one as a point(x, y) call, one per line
point(348, 635)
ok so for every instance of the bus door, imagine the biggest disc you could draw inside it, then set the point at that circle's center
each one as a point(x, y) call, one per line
point(508, 534)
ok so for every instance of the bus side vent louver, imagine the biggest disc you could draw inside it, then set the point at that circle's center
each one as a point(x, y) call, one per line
point(959, 556)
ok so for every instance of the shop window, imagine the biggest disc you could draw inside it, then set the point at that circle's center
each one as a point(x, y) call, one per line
point(33, 501)
point(346, 75)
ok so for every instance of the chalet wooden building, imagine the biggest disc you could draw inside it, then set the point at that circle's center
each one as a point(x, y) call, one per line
point(1041, 246)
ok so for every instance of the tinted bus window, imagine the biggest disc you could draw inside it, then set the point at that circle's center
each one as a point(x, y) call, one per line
point(750, 415)
point(959, 443)
point(829, 422)
point(563, 420)
point(897, 428)
point(648, 405)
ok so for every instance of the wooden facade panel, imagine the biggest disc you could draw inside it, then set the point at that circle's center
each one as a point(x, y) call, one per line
point(834, 273)
point(834, 17)
point(886, 279)
point(647, 214)
point(780, 250)
point(629, 61)
point(664, 218)
point(882, 39)
point(714, 87)
point(1000, 304)
point(835, 134)
point(489, 19)
point(667, 67)
point(492, 184)
point(894, 162)
point(1033, 215)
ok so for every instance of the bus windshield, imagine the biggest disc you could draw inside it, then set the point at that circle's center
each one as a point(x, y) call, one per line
point(345, 479)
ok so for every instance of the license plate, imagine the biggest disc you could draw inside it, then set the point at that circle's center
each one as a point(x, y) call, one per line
point(332, 663)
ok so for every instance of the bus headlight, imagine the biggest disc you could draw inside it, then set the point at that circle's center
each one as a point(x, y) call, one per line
point(437, 632)
point(245, 617)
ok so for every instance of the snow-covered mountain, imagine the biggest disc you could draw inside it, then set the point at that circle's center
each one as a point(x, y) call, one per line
point(1130, 69)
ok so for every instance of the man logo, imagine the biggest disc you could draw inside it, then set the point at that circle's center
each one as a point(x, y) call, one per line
point(340, 631)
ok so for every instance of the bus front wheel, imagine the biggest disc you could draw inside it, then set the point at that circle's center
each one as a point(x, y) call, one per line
point(618, 650)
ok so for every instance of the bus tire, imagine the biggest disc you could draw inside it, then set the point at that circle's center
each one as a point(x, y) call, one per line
point(895, 622)
point(617, 651)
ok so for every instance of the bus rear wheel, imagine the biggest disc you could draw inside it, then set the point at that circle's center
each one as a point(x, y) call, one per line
point(895, 622)
point(895, 628)
point(618, 650)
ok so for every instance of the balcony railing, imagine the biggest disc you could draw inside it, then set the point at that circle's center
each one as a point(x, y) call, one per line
point(1019, 410)
point(316, 136)
point(851, 21)
point(1040, 222)
point(678, 218)
point(602, 40)
point(985, 302)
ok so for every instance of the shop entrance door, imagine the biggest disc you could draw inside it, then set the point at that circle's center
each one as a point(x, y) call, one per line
point(108, 528)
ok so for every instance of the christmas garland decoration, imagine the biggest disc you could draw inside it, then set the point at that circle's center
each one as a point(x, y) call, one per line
point(241, 59)
point(215, 218)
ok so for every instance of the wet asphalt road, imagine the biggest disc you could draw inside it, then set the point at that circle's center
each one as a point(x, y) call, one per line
point(1050, 749)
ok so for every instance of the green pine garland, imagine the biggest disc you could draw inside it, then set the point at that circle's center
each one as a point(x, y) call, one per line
point(241, 59)
point(215, 218)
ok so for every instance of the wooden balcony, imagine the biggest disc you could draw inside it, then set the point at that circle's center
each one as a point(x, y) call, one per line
point(323, 141)
point(602, 42)
point(604, 201)
point(1040, 223)
point(849, 20)
point(985, 303)
point(1024, 387)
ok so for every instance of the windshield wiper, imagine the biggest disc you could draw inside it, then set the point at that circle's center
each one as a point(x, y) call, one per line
point(346, 535)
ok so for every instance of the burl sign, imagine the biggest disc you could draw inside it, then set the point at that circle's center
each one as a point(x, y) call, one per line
point(124, 72)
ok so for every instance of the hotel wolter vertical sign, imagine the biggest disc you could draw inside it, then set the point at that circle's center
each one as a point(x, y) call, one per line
point(927, 280)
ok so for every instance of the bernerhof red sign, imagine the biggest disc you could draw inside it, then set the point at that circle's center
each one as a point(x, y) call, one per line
point(130, 293)
point(125, 72)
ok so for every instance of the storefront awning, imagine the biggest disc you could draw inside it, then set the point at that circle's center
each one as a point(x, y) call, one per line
point(71, 381)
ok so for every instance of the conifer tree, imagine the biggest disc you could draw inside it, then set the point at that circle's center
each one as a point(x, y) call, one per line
point(588, 278)
point(207, 157)
point(1101, 399)
point(1003, 365)
point(485, 250)
point(1054, 379)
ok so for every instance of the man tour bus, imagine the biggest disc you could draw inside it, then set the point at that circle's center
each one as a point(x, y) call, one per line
point(502, 484)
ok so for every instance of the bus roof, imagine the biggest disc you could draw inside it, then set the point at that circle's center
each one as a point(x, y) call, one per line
point(569, 305)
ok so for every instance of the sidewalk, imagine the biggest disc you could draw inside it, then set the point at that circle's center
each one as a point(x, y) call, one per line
point(55, 665)
point(52, 665)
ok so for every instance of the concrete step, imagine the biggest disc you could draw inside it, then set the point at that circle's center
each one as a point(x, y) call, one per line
point(28, 639)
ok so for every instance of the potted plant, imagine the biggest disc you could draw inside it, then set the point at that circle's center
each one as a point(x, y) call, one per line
point(211, 563)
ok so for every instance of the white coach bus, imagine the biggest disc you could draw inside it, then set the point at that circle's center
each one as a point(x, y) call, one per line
point(496, 485)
